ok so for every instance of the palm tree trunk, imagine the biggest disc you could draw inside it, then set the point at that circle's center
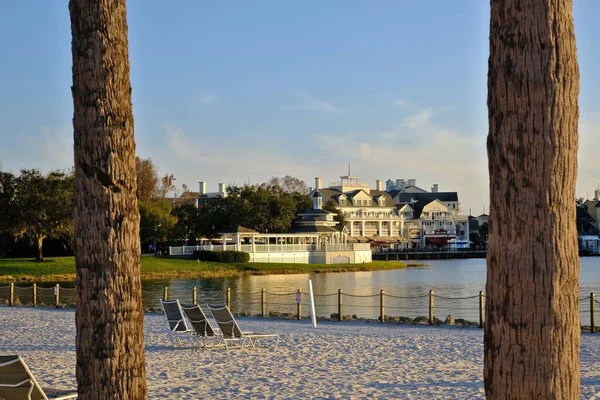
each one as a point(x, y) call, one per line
point(532, 329)
point(109, 315)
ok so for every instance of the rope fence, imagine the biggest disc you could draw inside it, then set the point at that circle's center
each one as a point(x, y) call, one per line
point(421, 309)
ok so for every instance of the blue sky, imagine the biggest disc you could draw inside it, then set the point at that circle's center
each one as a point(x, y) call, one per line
point(241, 91)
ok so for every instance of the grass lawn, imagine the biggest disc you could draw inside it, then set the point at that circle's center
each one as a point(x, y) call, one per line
point(63, 268)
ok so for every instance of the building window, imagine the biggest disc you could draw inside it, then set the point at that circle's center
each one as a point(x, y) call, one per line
point(342, 202)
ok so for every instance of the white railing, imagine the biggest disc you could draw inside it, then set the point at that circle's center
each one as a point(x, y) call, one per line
point(272, 248)
point(354, 184)
point(391, 218)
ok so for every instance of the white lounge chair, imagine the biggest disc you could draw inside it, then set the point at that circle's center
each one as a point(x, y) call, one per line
point(203, 330)
point(17, 383)
point(176, 320)
point(231, 332)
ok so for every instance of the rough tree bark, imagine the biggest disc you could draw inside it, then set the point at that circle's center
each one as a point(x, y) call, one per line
point(109, 316)
point(532, 328)
point(39, 240)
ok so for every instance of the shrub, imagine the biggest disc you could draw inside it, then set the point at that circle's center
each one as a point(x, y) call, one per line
point(222, 256)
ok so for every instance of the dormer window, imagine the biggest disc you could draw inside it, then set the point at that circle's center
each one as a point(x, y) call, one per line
point(381, 201)
point(342, 202)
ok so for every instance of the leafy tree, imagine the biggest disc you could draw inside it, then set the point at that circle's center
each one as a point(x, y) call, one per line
point(109, 317)
point(147, 179)
point(167, 186)
point(149, 186)
point(260, 207)
point(332, 207)
point(156, 221)
point(532, 327)
point(186, 227)
point(37, 206)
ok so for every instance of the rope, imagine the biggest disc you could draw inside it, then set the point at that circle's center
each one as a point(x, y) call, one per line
point(281, 294)
point(406, 297)
point(456, 298)
point(358, 295)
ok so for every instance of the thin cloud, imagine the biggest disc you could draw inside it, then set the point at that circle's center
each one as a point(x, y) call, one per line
point(418, 120)
point(307, 102)
point(52, 147)
point(400, 103)
point(208, 98)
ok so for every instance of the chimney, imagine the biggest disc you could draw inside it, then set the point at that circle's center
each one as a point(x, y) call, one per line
point(412, 182)
point(434, 188)
point(379, 185)
point(389, 185)
point(318, 183)
point(202, 188)
point(401, 184)
point(222, 189)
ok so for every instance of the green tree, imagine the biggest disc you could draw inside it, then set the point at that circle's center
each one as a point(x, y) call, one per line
point(260, 207)
point(186, 227)
point(332, 207)
point(156, 221)
point(37, 206)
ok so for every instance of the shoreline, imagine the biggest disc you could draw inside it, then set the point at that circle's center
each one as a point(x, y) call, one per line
point(173, 268)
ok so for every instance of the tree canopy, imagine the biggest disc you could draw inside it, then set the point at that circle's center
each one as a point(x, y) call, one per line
point(37, 206)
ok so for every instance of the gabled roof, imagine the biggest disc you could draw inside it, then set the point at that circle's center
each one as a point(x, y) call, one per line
point(335, 195)
point(419, 200)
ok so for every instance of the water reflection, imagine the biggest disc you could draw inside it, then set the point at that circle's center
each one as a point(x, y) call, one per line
point(456, 284)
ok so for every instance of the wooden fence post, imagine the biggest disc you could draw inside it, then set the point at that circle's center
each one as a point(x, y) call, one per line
point(194, 296)
point(339, 304)
point(299, 304)
point(229, 298)
point(264, 303)
point(431, 307)
point(34, 294)
point(166, 293)
point(57, 295)
point(592, 313)
point(381, 306)
point(481, 309)
point(11, 296)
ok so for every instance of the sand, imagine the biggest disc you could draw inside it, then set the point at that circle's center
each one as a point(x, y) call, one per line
point(347, 360)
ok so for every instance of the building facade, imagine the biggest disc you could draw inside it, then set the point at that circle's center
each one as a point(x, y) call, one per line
point(408, 217)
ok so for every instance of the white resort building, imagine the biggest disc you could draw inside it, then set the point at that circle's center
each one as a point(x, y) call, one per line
point(406, 217)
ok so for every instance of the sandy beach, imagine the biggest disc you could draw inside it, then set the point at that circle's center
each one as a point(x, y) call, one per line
point(349, 360)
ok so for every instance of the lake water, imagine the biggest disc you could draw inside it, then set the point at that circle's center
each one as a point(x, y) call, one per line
point(456, 284)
